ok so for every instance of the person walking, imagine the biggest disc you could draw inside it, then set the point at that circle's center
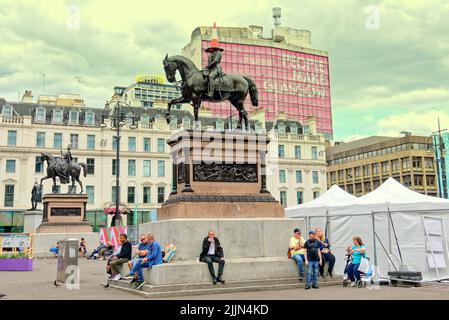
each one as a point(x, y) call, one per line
point(297, 251)
point(357, 251)
point(213, 252)
point(313, 260)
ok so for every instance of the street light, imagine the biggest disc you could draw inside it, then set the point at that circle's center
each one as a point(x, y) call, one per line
point(437, 142)
point(118, 121)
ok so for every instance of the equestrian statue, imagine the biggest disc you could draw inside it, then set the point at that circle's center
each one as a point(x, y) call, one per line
point(64, 168)
point(209, 84)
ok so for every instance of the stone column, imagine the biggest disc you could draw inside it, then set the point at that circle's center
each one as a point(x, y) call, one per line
point(187, 187)
point(263, 173)
point(175, 173)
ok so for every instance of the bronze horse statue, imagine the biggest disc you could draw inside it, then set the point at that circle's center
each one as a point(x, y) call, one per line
point(73, 170)
point(231, 87)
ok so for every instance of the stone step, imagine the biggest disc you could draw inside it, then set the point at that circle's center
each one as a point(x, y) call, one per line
point(197, 286)
point(149, 291)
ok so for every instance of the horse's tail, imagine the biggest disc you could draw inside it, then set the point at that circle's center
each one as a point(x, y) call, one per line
point(84, 166)
point(252, 91)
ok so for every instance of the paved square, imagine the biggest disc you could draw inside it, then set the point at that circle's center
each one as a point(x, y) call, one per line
point(38, 284)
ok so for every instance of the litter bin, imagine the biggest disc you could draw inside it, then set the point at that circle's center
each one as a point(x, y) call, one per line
point(67, 258)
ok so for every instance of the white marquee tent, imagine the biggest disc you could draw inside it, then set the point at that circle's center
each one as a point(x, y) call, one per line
point(419, 223)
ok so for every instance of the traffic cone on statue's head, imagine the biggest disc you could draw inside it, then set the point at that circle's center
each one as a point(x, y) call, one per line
point(214, 44)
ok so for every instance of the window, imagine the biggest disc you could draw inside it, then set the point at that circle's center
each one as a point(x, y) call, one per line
point(375, 168)
point(349, 174)
point(10, 166)
point(428, 163)
point(74, 140)
point(114, 194)
point(316, 194)
point(161, 168)
point(314, 176)
point(299, 197)
point(281, 151)
point(146, 145)
point(40, 115)
point(114, 143)
point(131, 194)
point(90, 165)
point(57, 116)
point(40, 139)
point(131, 168)
point(385, 167)
point(12, 137)
point(395, 165)
point(132, 144)
point(283, 198)
point(298, 176)
point(405, 163)
point(90, 142)
point(90, 119)
point(90, 194)
point(146, 194)
point(38, 167)
point(147, 168)
point(7, 111)
point(9, 195)
point(160, 194)
point(418, 180)
point(282, 176)
point(417, 163)
point(160, 145)
point(366, 170)
point(57, 140)
point(73, 117)
point(114, 167)
point(314, 153)
point(297, 152)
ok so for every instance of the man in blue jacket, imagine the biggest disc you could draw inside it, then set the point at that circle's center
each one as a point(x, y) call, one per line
point(153, 257)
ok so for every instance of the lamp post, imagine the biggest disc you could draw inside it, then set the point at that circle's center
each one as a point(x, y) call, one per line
point(438, 142)
point(118, 120)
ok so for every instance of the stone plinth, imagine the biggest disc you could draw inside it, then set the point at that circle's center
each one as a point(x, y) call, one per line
point(219, 175)
point(64, 213)
point(31, 220)
point(240, 238)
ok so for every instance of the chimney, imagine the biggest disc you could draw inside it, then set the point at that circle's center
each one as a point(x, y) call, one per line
point(27, 96)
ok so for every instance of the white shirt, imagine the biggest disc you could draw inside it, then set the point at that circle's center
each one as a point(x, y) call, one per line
point(211, 251)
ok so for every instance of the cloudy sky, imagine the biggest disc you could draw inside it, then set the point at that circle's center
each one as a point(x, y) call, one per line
point(389, 59)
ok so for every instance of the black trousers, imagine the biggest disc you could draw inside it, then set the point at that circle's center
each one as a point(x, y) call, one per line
point(330, 258)
point(209, 260)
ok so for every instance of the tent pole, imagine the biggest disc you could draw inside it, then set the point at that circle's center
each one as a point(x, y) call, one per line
point(396, 238)
point(388, 256)
point(374, 237)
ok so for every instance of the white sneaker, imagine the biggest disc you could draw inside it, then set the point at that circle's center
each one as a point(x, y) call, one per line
point(128, 277)
point(117, 277)
point(353, 284)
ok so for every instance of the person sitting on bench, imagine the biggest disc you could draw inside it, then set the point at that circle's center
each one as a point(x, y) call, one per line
point(213, 252)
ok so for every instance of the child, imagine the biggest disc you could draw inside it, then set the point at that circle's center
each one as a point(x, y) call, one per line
point(313, 259)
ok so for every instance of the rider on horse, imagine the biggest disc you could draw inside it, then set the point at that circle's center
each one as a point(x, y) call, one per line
point(63, 167)
point(213, 68)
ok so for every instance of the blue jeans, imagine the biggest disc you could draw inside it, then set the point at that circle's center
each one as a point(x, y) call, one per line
point(353, 271)
point(135, 263)
point(139, 269)
point(312, 273)
point(299, 259)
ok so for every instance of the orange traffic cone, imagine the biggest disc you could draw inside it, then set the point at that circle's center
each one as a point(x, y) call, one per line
point(214, 44)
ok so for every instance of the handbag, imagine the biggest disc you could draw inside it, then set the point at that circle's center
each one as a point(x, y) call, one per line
point(289, 253)
point(364, 265)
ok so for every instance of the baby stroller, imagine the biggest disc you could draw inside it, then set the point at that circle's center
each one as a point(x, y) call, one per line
point(365, 277)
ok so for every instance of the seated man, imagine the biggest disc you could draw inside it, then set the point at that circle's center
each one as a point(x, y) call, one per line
point(213, 252)
point(142, 251)
point(123, 256)
point(106, 251)
point(154, 257)
point(297, 251)
point(96, 251)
